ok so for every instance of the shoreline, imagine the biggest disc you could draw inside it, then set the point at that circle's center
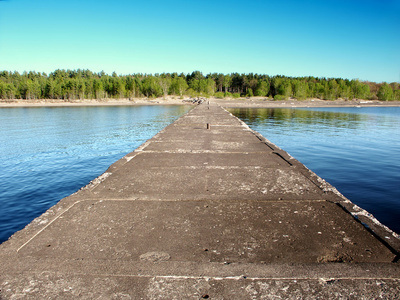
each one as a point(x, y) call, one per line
point(89, 102)
point(253, 102)
point(256, 102)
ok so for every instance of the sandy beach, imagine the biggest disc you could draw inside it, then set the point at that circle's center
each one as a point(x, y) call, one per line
point(91, 102)
point(262, 102)
point(256, 102)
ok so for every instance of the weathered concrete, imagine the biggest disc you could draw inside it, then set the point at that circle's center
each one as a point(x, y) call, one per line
point(218, 213)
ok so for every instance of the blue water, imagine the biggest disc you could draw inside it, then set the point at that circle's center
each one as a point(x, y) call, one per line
point(48, 153)
point(357, 150)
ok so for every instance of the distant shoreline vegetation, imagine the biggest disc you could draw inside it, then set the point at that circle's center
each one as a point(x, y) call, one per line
point(84, 84)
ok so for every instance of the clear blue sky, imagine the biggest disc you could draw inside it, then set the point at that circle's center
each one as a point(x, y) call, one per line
point(349, 39)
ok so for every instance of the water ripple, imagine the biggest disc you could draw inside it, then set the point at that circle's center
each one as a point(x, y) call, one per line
point(49, 153)
point(355, 149)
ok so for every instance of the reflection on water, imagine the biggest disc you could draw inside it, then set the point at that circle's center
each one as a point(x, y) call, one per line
point(49, 153)
point(355, 149)
point(289, 119)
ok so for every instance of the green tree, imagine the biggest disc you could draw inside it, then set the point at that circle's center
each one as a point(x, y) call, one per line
point(88, 89)
point(385, 92)
point(9, 91)
point(276, 82)
point(130, 86)
point(208, 86)
point(319, 90)
point(195, 75)
point(227, 80)
point(118, 87)
point(23, 91)
point(219, 81)
point(178, 86)
point(262, 88)
point(194, 84)
point(333, 90)
point(2, 89)
point(252, 84)
point(70, 89)
point(165, 83)
point(151, 87)
point(344, 89)
point(285, 88)
point(58, 90)
point(359, 89)
point(138, 86)
point(80, 89)
point(237, 83)
point(98, 88)
point(396, 95)
point(73, 84)
point(300, 89)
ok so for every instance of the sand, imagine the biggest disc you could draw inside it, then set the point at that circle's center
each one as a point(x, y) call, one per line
point(259, 102)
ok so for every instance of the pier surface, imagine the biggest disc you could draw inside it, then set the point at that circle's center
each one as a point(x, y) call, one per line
point(206, 209)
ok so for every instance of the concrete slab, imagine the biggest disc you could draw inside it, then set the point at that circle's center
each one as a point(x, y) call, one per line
point(165, 160)
point(198, 213)
point(208, 231)
point(73, 286)
point(207, 182)
point(230, 134)
point(219, 143)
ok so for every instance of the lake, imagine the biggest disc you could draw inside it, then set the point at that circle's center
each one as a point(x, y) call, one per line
point(49, 153)
point(357, 150)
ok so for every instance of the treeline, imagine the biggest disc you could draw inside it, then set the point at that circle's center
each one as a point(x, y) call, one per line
point(84, 84)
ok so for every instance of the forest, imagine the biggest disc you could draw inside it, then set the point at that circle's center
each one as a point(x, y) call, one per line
point(83, 84)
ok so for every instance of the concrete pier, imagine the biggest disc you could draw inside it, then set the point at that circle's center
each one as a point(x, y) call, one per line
point(206, 209)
